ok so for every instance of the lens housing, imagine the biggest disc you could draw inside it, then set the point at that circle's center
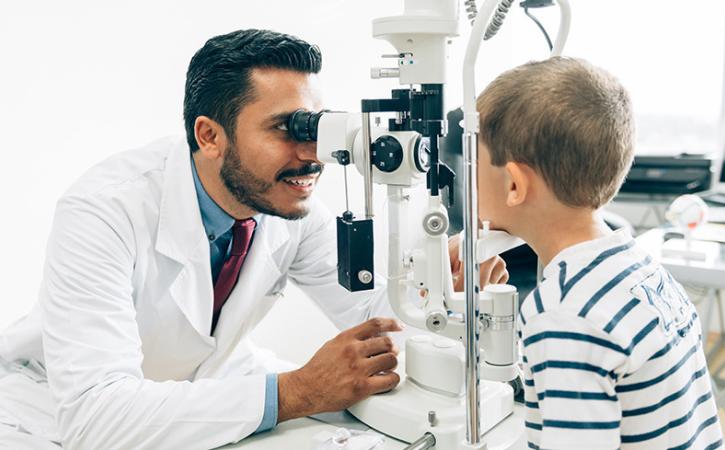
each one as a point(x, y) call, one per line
point(302, 125)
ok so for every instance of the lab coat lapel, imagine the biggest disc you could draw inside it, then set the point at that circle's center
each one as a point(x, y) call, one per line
point(181, 237)
point(245, 305)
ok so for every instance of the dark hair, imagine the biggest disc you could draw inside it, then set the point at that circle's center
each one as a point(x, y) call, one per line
point(218, 79)
point(569, 120)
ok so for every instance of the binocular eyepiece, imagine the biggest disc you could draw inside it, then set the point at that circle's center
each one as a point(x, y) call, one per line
point(302, 124)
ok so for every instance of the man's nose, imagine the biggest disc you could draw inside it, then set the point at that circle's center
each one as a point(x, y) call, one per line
point(307, 151)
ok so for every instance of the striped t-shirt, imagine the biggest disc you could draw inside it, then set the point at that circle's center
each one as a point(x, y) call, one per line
point(613, 357)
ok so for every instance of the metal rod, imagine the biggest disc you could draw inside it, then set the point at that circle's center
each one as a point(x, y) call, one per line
point(470, 122)
point(425, 442)
point(471, 287)
point(470, 224)
point(347, 197)
point(367, 166)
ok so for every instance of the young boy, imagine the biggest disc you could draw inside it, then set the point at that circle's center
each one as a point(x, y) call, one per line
point(612, 347)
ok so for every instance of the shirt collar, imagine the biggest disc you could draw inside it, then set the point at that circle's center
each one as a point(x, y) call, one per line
point(216, 221)
point(581, 253)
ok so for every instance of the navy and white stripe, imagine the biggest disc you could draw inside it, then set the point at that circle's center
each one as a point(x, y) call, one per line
point(613, 355)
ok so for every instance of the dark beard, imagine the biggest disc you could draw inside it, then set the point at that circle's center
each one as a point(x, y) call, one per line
point(250, 190)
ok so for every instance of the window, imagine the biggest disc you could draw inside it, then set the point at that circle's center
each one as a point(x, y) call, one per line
point(670, 56)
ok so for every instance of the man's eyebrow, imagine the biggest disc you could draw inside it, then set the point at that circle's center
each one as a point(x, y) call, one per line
point(279, 117)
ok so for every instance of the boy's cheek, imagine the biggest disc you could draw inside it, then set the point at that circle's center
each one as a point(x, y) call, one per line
point(486, 211)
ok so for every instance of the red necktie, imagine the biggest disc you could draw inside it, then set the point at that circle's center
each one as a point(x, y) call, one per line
point(242, 232)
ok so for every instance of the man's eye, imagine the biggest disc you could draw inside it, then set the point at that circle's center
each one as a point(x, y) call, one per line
point(282, 126)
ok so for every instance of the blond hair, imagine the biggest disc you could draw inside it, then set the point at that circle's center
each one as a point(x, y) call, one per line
point(568, 120)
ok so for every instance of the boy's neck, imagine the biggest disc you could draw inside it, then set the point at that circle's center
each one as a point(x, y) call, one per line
point(571, 227)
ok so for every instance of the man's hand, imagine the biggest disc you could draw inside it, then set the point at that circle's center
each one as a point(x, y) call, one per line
point(493, 270)
point(355, 364)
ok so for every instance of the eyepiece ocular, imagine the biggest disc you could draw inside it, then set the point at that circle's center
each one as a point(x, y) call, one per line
point(302, 125)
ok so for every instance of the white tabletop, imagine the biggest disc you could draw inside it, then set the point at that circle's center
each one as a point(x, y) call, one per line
point(298, 434)
point(509, 434)
point(305, 330)
point(703, 273)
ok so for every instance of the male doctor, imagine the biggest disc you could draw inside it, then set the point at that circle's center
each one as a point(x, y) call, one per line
point(161, 261)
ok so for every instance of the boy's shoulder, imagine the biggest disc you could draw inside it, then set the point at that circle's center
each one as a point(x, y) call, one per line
point(610, 289)
point(591, 279)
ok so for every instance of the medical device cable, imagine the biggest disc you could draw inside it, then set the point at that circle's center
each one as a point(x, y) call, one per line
point(500, 14)
point(541, 27)
point(496, 21)
point(471, 10)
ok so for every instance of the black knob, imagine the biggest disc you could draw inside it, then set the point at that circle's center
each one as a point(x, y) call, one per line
point(387, 153)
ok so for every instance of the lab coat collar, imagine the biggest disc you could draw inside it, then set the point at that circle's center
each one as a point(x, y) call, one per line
point(180, 230)
point(216, 221)
point(251, 298)
point(253, 294)
point(181, 237)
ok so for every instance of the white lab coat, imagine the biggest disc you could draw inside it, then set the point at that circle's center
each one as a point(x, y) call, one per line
point(122, 323)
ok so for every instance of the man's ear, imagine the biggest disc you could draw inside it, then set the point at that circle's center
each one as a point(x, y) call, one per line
point(210, 137)
point(518, 183)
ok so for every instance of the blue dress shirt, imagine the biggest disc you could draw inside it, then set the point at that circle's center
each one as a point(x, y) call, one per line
point(218, 226)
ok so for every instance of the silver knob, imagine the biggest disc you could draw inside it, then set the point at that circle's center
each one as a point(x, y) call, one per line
point(435, 224)
point(365, 276)
point(432, 420)
point(436, 321)
point(384, 72)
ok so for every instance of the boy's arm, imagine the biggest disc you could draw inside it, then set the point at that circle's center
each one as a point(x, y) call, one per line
point(570, 369)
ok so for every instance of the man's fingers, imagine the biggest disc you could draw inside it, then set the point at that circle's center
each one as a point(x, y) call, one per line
point(381, 363)
point(486, 268)
point(454, 246)
point(377, 345)
point(374, 327)
point(383, 382)
point(458, 283)
point(504, 278)
point(490, 263)
point(491, 271)
point(497, 274)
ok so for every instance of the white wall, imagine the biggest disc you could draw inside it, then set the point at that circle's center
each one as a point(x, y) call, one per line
point(82, 79)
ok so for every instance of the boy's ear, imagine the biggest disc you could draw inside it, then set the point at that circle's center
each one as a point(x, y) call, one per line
point(518, 183)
